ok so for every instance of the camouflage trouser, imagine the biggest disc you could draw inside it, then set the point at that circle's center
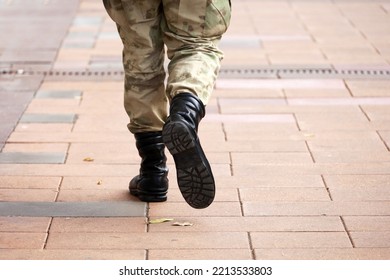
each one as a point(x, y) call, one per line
point(190, 29)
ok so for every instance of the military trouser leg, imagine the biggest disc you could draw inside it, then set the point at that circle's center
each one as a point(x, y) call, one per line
point(138, 23)
point(190, 30)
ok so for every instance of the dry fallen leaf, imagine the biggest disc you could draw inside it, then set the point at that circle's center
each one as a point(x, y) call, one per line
point(309, 135)
point(88, 159)
point(160, 221)
point(184, 224)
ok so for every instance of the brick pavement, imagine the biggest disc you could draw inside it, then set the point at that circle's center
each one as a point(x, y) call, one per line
point(300, 155)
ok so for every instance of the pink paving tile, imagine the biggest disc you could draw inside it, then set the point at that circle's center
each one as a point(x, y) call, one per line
point(279, 84)
point(380, 124)
point(347, 136)
point(39, 254)
point(354, 193)
point(283, 194)
point(29, 182)
point(96, 195)
point(371, 239)
point(83, 85)
point(263, 131)
point(243, 145)
point(284, 38)
point(358, 180)
point(250, 118)
point(275, 170)
point(348, 145)
point(271, 158)
point(103, 153)
point(97, 102)
point(94, 183)
point(263, 107)
point(367, 223)
point(47, 195)
point(225, 195)
point(241, 102)
point(149, 240)
point(316, 93)
point(377, 113)
point(253, 57)
point(369, 88)
point(24, 224)
point(198, 254)
point(350, 156)
point(68, 137)
point(300, 240)
point(249, 93)
point(125, 225)
point(270, 180)
point(17, 240)
point(333, 208)
point(324, 254)
point(313, 123)
point(182, 209)
point(298, 59)
point(108, 122)
point(379, 101)
point(385, 135)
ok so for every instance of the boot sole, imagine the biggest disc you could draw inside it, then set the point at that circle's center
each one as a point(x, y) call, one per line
point(194, 174)
point(148, 197)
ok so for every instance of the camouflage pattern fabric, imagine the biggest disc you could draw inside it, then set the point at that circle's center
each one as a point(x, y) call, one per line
point(190, 30)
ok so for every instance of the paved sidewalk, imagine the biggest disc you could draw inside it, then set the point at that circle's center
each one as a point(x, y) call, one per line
point(297, 132)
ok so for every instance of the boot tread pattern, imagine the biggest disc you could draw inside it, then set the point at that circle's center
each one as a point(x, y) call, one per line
point(194, 175)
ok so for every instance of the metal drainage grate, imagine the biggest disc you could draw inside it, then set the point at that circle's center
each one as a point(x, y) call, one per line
point(306, 73)
point(237, 73)
point(67, 74)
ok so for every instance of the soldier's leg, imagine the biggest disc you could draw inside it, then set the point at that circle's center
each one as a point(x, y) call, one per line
point(192, 30)
point(138, 23)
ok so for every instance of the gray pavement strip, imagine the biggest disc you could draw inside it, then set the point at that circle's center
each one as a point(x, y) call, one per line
point(73, 209)
point(48, 118)
point(242, 42)
point(32, 158)
point(56, 94)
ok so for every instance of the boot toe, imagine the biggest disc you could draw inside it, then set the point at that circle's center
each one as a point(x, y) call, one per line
point(147, 190)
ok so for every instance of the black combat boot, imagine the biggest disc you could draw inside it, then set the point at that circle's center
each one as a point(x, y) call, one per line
point(180, 135)
point(151, 185)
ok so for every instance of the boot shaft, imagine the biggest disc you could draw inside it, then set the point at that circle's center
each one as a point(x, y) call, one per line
point(151, 150)
point(188, 107)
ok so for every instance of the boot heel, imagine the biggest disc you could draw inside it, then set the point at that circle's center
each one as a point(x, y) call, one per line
point(151, 185)
point(176, 138)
